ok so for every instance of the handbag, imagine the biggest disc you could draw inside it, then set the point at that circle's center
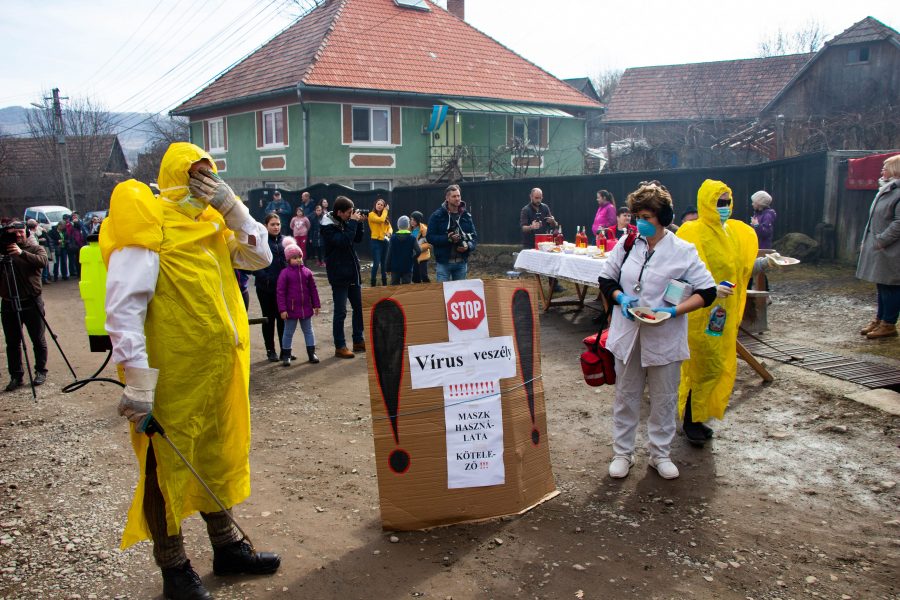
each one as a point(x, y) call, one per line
point(598, 365)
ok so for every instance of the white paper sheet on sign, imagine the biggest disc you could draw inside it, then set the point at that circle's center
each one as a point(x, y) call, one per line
point(474, 435)
point(487, 359)
point(470, 376)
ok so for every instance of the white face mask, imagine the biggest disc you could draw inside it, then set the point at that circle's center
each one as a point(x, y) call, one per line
point(188, 206)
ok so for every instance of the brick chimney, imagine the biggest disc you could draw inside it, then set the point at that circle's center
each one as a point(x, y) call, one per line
point(457, 8)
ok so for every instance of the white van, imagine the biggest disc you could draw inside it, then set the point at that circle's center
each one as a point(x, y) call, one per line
point(47, 215)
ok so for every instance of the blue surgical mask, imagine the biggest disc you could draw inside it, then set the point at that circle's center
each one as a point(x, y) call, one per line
point(646, 228)
point(724, 212)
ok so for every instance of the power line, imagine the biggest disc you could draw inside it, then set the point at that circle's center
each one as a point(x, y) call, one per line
point(117, 53)
point(151, 53)
point(181, 69)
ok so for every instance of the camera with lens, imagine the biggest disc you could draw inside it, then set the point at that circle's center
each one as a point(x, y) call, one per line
point(458, 236)
point(8, 235)
point(363, 212)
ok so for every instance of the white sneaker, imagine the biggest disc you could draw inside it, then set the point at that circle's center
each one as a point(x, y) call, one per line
point(665, 467)
point(620, 466)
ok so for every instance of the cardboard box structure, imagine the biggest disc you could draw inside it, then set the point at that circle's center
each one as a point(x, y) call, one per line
point(457, 401)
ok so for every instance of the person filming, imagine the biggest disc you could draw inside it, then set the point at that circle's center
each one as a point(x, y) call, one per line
point(23, 261)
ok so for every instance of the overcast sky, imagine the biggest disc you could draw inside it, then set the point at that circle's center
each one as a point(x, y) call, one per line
point(148, 55)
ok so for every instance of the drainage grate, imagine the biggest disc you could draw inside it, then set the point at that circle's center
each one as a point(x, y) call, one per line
point(871, 375)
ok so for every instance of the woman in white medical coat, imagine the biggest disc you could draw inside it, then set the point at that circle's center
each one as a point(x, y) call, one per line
point(650, 354)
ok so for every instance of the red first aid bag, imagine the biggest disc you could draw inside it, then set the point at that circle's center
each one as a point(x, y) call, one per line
point(597, 363)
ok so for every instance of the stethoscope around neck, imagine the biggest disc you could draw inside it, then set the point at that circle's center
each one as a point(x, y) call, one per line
point(637, 287)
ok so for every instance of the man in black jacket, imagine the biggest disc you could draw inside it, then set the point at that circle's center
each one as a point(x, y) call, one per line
point(451, 232)
point(341, 229)
point(20, 283)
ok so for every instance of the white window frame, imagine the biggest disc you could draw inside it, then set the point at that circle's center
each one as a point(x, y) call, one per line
point(370, 141)
point(536, 144)
point(367, 185)
point(275, 114)
point(216, 124)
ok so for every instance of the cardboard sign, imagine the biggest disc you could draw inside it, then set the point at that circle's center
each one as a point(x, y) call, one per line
point(462, 438)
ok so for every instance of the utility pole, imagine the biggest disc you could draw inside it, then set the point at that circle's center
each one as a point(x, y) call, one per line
point(59, 128)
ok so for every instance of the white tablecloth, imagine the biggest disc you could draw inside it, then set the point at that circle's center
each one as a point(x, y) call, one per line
point(572, 267)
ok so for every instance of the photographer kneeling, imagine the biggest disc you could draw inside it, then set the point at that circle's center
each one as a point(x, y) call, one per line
point(21, 265)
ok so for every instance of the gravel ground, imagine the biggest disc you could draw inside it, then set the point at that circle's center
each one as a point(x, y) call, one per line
point(795, 498)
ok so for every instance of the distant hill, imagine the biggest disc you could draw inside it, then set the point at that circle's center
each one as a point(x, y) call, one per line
point(133, 129)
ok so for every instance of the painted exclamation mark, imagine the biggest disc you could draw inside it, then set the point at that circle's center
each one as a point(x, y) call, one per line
point(388, 340)
point(523, 325)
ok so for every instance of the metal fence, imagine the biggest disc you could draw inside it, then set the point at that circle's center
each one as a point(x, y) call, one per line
point(797, 185)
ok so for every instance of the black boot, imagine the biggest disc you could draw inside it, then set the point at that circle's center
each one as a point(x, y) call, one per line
point(286, 357)
point(270, 354)
point(311, 352)
point(240, 557)
point(696, 433)
point(183, 583)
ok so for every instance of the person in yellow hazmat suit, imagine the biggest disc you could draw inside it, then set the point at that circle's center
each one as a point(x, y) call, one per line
point(728, 247)
point(180, 335)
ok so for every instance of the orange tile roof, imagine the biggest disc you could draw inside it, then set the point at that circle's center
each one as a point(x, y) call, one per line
point(377, 45)
point(731, 89)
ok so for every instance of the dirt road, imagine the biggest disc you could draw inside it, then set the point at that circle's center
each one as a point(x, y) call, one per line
point(795, 498)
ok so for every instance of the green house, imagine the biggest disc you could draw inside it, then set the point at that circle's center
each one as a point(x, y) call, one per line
point(381, 93)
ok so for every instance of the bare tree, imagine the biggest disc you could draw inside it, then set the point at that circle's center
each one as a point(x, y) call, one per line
point(86, 123)
point(163, 132)
point(809, 37)
point(169, 129)
point(606, 82)
point(4, 152)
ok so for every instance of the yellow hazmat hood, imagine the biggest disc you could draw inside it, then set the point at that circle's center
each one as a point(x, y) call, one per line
point(707, 197)
point(173, 170)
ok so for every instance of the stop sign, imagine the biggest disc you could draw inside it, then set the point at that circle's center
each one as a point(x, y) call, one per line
point(465, 310)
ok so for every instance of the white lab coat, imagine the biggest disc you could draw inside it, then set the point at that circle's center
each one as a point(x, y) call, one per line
point(673, 258)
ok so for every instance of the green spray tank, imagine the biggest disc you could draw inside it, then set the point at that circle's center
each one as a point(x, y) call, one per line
point(93, 293)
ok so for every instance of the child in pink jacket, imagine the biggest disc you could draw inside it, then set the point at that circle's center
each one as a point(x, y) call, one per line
point(298, 301)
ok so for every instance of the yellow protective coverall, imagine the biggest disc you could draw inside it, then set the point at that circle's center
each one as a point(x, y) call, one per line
point(729, 252)
point(198, 336)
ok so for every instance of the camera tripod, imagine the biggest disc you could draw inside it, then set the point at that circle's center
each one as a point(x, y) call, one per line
point(9, 277)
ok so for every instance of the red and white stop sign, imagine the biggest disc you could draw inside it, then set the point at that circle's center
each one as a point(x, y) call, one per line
point(465, 310)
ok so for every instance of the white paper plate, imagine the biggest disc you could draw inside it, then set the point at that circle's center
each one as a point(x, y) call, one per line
point(659, 317)
point(783, 261)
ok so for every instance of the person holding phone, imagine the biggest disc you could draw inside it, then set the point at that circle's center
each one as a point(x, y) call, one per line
point(341, 229)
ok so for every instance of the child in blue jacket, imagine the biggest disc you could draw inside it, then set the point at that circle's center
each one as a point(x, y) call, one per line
point(403, 250)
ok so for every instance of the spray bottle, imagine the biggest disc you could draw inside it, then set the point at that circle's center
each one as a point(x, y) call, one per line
point(93, 293)
point(717, 316)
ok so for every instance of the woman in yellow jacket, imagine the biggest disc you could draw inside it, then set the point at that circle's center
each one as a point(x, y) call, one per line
point(180, 336)
point(380, 226)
